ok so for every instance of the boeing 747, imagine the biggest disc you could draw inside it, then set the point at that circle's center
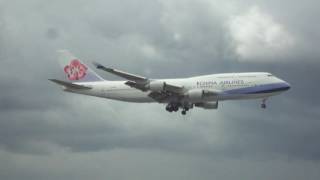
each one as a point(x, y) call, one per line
point(183, 93)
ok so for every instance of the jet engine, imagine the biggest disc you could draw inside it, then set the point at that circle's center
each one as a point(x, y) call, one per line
point(157, 85)
point(208, 105)
point(195, 95)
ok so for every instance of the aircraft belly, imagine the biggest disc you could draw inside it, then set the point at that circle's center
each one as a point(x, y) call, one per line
point(129, 95)
point(122, 92)
point(246, 96)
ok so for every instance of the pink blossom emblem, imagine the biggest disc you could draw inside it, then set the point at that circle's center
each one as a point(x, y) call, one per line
point(75, 70)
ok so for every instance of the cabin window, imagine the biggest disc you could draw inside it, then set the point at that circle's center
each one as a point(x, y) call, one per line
point(247, 76)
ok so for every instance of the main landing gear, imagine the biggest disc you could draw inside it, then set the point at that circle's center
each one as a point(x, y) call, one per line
point(263, 104)
point(184, 111)
point(174, 107)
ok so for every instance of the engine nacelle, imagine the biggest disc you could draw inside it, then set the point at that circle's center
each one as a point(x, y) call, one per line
point(195, 95)
point(208, 105)
point(157, 85)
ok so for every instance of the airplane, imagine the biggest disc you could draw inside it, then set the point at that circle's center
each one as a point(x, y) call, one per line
point(181, 93)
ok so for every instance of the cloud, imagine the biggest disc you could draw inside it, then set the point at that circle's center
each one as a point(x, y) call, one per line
point(257, 35)
point(193, 29)
point(47, 133)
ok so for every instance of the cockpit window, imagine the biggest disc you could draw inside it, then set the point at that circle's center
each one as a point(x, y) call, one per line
point(270, 75)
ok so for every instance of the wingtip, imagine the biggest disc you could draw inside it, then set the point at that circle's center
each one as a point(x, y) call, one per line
point(53, 80)
point(97, 65)
point(102, 67)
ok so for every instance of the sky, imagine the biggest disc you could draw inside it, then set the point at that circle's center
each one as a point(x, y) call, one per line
point(49, 134)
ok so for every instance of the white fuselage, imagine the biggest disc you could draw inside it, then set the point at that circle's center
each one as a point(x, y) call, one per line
point(230, 86)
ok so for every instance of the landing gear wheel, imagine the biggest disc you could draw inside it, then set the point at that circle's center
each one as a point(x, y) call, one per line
point(172, 107)
point(169, 108)
point(183, 112)
point(176, 108)
point(263, 105)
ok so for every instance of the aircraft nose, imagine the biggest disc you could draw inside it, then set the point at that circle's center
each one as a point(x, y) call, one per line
point(286, 85)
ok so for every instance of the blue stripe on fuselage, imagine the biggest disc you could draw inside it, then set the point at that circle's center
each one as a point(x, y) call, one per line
point(266, 88)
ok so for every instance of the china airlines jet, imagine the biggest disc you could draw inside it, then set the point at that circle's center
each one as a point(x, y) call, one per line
point(183, 93)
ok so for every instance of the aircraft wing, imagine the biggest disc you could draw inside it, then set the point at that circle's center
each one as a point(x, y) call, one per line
point(139, 82)
point(69, 85)
point(125, 75)
point(174, 88)
point(159, 90)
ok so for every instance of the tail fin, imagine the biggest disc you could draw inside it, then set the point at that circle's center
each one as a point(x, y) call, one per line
point(75, 70)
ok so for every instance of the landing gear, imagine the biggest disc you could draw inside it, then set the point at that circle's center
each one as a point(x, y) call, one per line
point(183, 112)
point(172, 107)
point(263, 104)
point(169, 108)
point(186, 108)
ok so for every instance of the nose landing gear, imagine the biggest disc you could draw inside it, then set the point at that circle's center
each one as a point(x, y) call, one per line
point(263, 104)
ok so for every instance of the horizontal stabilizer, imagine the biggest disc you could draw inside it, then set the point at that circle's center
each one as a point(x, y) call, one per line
point(69, 85)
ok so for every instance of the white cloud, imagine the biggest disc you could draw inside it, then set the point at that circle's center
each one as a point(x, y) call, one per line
point(258, 35)
point(149, 51)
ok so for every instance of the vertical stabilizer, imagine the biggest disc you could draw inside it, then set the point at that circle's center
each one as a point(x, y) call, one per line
point(75, 70)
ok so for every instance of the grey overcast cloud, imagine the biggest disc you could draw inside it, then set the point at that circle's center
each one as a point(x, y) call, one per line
point(48, 134)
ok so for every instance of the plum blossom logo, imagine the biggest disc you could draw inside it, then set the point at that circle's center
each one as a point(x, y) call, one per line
point(75, 70)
